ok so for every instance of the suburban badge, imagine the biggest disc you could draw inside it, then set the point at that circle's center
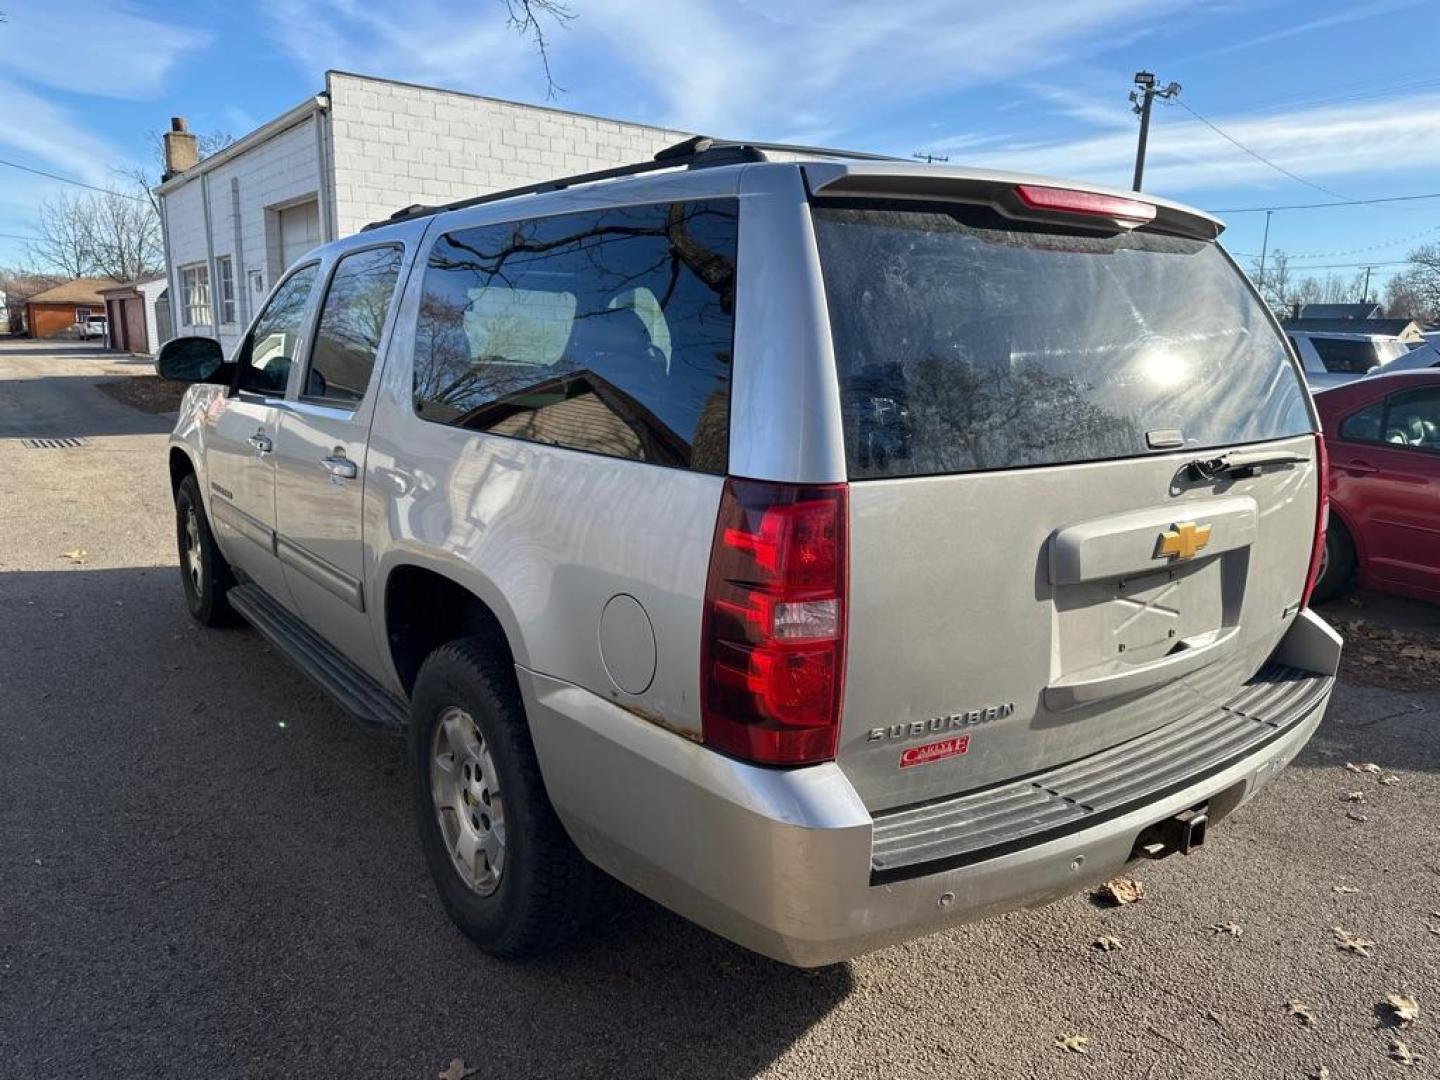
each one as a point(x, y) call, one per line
point(934, 724)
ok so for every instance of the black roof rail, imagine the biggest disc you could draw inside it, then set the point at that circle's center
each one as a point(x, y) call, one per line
point(699, 151)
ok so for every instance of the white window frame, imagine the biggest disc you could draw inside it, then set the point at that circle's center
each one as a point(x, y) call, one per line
point(81, 320)
point(195, 294)
point(225, 280)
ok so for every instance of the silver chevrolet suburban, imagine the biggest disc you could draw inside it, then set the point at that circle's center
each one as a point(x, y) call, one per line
point(831, 548)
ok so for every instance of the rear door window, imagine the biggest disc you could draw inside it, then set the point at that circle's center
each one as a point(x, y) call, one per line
point(1412, 418)
point(1365, 425)
point(609, 331)
point(967, 341)
point(352, 322)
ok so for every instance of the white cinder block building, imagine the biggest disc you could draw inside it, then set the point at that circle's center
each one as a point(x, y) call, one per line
point(352, 155)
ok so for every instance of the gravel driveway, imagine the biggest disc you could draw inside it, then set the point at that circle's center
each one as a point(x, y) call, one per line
point(206, 871)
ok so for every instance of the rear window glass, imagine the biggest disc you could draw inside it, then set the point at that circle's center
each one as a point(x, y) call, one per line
point(1350, 356)
point(966, 341)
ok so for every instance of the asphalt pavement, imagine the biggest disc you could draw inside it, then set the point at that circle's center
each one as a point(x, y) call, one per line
point(207, 871)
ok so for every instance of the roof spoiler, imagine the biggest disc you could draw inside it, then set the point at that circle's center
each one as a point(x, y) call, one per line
point(1013, 195)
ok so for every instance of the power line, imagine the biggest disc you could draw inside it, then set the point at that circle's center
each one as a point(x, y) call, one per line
point(16, 236)
point(1323, 205)
point(1257, 156)
point(68, 180)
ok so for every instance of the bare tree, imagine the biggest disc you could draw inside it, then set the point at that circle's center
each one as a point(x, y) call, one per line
point(125, 237)
point(63, 243)
point(1415, 291)
point(525, 19)
point(109, 234)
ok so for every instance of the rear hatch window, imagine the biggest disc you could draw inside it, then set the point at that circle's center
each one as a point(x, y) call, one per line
point(966, 341)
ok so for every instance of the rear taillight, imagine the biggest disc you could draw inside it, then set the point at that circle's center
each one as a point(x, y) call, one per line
point(772, 652)
point(1090, 203)
point(1322, 518)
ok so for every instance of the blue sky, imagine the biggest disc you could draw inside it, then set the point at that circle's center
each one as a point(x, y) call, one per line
point(1343, 95)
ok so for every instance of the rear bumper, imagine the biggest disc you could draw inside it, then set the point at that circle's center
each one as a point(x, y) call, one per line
point(783, 861)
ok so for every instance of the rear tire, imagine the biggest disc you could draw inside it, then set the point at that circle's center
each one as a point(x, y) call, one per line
point(1337, 563)
point(507, 872)
point(204, 571)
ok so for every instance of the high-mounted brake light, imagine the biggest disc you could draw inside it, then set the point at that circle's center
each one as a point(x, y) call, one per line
point(1322, 519)
point(773, 643)
point(1092, 204)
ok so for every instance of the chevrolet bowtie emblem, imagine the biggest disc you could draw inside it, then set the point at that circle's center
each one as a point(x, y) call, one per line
point(1183, 541)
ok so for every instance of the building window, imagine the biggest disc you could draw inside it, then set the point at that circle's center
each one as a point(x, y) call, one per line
point(195, 283)
point(225, 279)
point(82, 316)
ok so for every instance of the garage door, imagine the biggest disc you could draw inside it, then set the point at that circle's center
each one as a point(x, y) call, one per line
point(299, 231)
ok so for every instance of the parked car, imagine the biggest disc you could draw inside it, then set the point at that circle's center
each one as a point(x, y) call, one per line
point(1334, 359)
point(1383, 438)
point(95, 326)
point(813, 542)
point(1421, 356)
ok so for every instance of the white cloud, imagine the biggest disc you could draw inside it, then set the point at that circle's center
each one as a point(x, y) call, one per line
point(1184, 155)
point(100, 47)
point(44, 131)
point(806, 69)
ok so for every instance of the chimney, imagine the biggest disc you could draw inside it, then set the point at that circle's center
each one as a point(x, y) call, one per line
point(181, 151)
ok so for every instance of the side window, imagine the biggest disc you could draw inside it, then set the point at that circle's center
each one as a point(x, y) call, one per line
point(268, 352)
point(352, 321)
point(609, 332)
point(1412, 418)
point(1348, 355)
point(1365, 425)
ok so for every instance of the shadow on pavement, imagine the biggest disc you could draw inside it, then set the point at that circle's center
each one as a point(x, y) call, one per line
point(67, 406)
point(210, 871)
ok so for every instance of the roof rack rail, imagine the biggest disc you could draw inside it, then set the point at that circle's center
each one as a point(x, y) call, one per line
point(697, 152)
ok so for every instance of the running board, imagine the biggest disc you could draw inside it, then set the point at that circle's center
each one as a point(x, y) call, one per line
point(358, 694)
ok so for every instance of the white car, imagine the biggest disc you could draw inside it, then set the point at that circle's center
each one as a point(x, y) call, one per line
point(94, 327)
point(1333, 358)
point(1425, 356)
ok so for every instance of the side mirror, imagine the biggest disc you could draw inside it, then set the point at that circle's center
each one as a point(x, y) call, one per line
point(194, 359)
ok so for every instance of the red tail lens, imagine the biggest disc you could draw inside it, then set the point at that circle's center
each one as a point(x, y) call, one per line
point(773, 649)
point(1065, 201)
point(1322, 519)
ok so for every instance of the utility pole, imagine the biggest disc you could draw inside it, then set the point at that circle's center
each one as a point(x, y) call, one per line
point(929, 158)
point(1141, 99)
point(1264, 247)
point(1365, 293)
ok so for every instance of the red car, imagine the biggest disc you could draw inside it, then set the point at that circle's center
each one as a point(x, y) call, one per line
point(1382, 434)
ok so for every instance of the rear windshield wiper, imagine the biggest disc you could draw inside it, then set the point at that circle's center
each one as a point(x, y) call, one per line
point(1242, 461)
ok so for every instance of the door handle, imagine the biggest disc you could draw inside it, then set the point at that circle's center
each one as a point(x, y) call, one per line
point(1361, 468)
point(341, 466)
point(261, 442)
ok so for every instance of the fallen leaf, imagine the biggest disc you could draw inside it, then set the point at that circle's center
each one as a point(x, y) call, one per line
point(1322, 1073)
point(1348, 942)
point(1211, 1014)
point(1354, 816)
point(1296, 1007)
point(1368, 767)
point(1353, 796)
point(1405, 1008)
point(1389, 780)
point(76, 555)
point(1344, 890)
point(1073, 1044)
point(1123, 890)
point(1233, 929)
point(1401, 1053)
point(1107, 944)
point(457, 1070)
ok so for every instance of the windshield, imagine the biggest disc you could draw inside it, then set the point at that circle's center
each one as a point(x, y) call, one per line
point(966, 341)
